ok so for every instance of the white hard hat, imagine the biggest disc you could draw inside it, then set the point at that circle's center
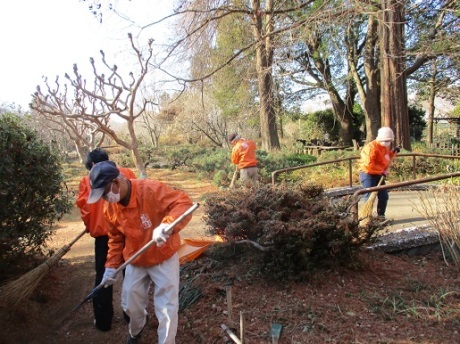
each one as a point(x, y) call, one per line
point(385, 134)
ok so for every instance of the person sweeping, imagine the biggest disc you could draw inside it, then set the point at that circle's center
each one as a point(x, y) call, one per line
point(92, 216)
point(244, 157)
point(137, 212)
point(374, 162)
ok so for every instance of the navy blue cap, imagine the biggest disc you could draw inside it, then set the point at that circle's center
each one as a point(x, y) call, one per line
point(101, 174)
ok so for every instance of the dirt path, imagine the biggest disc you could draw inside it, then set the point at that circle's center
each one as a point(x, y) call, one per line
point(71, 224)
point(46, 319)
point(388, 299)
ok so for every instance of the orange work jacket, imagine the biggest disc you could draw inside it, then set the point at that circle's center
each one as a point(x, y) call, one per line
point(375, 158)
point(244, 154)
point(93, 214)
point(131, 227)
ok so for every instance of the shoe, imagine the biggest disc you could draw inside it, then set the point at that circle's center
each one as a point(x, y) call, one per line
point(381, 218)
point(133, 340)
point(136, 338)
point(102, 328)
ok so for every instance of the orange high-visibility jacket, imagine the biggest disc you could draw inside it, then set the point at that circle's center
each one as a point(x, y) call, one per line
point(93, 214)
point(130, 228)
point(375, 158)
point(244, 154)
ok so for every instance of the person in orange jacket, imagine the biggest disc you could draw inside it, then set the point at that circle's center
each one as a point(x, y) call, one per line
point(138, 211)
point(244, 157)
point(374, 163)
point(93, 218)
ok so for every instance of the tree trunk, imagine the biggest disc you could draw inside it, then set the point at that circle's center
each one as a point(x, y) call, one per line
point(264, 61)
point(369, 91)
point(135, 151)
point(393, 80)
point(82, 151)
point(345, 117)
point(431, 107)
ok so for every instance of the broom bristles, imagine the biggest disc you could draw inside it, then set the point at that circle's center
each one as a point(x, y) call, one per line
point(12, 293)
point(366, 210)
point(15, 291)
point(22, 288)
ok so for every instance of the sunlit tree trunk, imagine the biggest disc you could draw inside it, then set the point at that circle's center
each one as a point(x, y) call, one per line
point(393, 80)
point(263, 25)
point(431, 107)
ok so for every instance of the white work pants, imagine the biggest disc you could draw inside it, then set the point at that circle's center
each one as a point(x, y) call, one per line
point(165, 277)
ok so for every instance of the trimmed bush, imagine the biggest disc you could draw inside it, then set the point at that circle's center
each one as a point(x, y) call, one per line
point(32, 197)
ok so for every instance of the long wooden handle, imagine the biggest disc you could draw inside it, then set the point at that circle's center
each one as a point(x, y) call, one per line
point(137, 254)
point(69, 245)
point(235, 175)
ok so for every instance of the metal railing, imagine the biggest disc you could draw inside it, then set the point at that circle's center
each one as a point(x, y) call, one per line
point(397, 185)
point(350, 164)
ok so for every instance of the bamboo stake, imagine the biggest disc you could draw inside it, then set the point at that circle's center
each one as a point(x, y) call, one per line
point(242, 327)
point(230, 333)
point(228, 289)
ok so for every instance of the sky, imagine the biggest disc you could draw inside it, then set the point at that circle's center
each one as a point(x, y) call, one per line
point(46, 37)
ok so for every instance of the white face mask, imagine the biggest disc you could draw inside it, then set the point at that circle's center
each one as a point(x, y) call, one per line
point(112, 197)
point(385, 143)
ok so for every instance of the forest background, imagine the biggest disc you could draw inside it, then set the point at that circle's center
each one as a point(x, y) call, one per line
point(256, 68)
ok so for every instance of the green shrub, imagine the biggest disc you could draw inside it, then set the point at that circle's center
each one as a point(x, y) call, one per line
point(32, 197)
point(215, 164)
point(269, 162)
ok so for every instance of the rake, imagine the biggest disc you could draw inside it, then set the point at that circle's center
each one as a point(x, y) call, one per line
point(366, 210)
point(12, 293)
point(167, 230)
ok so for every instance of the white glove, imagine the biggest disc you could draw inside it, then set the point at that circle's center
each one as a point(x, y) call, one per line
point(159, 235)
point(109, 278)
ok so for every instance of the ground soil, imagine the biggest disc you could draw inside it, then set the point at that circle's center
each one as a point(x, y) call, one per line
point(390, 299)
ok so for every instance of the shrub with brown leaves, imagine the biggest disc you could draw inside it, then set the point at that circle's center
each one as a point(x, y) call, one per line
point(297, 228)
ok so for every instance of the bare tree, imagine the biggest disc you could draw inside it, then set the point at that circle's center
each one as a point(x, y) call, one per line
point(198, 21)
point(110, 95)
point(84, 135)
point(316, 65)
point(198, 116)
point(379, 56)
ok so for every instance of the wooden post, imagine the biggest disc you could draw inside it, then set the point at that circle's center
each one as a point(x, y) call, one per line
point(241, 327)
point(228, 289)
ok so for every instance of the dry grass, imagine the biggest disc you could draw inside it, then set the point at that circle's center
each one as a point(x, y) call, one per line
point(440, 206)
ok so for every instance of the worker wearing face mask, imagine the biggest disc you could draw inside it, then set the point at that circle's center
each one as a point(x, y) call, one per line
point(93, 218)
point(136, 212)
point(374, 163)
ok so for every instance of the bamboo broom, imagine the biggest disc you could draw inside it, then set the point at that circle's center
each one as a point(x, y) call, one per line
point(366, 210)
point(12, 293)
point(235, 176)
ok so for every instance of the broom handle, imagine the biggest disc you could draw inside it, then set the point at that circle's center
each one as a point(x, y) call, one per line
point(235, 175)
point(373, 194)
point(137, 254)
point(167, 230)
point(64, 249)
point(70, 244)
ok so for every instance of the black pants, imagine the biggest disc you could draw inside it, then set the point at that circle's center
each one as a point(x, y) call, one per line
point(102, 301)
